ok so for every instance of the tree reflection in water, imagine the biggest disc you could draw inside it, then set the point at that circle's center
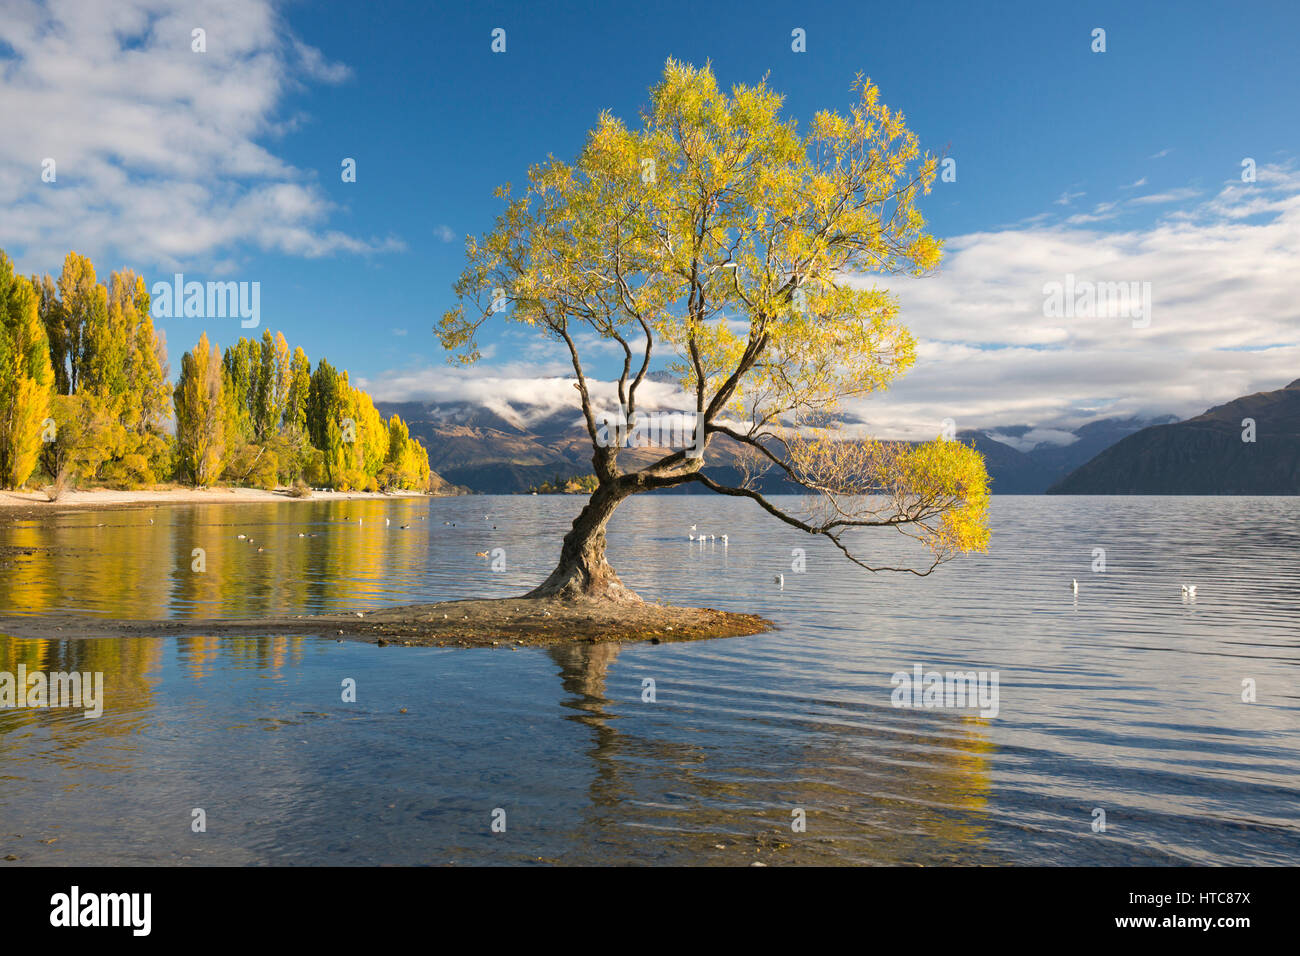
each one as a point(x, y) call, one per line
point(876, 790)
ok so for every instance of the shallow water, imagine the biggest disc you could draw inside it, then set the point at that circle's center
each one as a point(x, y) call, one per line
point(1126, 698)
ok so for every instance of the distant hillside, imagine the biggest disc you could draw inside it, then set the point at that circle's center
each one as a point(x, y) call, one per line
point(1034, 470)
point(1203, 455)
point(483, 451)
point(511, 451)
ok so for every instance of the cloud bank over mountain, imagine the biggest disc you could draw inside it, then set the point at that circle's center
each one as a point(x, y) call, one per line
point(1225, 321)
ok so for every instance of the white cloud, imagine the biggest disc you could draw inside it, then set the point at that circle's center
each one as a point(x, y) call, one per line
point(1173, 195)
point(1035, 437)
point(1049, 436)
point(445, 234)
point(520, 392)
point(159, 150)
point(1225, 322)
point(1225, 319)
point(1100, 212)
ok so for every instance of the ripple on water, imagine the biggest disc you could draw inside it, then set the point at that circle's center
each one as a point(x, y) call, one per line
point(1126, 697)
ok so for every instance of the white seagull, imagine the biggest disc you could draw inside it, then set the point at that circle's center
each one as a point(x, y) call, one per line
point(1189, 590)
point(1074, 585)
point(780, 579)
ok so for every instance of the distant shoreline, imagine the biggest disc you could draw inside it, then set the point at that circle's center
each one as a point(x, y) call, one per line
point(95, 499)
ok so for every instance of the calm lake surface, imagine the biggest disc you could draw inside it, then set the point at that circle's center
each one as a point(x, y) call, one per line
point(1126, 698)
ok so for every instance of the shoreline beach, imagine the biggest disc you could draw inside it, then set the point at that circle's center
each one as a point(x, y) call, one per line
point(92, 499)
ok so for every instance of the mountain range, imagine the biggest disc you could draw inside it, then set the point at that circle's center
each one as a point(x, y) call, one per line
point(1035, 466)
point(514, 449)
point(510, 450)
point(1249, 446)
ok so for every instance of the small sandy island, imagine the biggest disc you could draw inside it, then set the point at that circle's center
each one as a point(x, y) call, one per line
point(512, 622)
point(36, 503)
point(504, 622)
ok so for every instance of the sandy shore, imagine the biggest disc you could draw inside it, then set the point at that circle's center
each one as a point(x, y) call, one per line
point(35, 502)
point(503, 622)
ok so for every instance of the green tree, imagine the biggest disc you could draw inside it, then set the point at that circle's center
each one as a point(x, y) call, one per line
point(240, 365)
point(326, 409)
point(56, 331)
point(292, 443)
point(295, 404)
point(272, 385)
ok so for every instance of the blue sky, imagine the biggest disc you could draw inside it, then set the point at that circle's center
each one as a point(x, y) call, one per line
point(226, 165)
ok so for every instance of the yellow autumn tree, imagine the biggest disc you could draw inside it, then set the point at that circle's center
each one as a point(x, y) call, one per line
point(201, 413)
point(110, 367)
point(751, 251)
point(367, 449)
point(126, 372)
point(406, 464)
point(80, 297)
point(26, 376)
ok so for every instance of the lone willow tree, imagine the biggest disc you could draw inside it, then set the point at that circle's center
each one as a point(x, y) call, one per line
point(747, 251)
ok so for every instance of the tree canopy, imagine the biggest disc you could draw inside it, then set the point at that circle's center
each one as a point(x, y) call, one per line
point(749, 252)
point(85, 396)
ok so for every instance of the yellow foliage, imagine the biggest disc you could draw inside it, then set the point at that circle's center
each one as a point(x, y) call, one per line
point(754, 252)
point(26, 377)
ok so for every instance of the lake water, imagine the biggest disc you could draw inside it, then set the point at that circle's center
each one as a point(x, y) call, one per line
point(1125, 699)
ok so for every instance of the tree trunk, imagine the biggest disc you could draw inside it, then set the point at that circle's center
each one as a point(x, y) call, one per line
point(583, 571)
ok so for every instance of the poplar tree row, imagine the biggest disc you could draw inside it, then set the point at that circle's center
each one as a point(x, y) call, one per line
point(85, 398)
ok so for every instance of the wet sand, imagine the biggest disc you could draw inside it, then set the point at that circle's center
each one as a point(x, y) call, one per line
point(504, 622)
